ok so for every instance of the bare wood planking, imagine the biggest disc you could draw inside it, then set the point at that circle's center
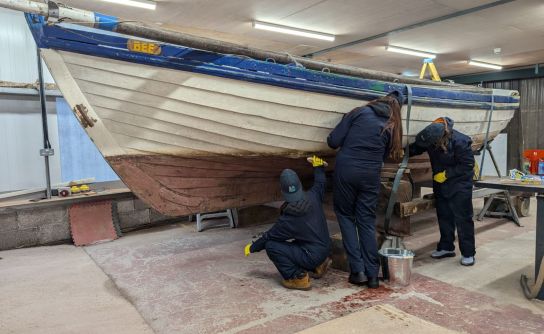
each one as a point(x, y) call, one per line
point(142, 175)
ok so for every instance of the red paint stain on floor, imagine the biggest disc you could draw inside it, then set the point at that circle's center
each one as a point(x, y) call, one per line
point(463, 310)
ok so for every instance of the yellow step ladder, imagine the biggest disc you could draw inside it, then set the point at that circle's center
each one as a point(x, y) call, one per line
point(428, 62)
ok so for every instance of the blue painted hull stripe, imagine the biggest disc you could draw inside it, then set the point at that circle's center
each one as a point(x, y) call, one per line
point(97, 43)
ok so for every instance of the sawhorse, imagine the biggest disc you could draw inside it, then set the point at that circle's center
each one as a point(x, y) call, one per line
point(493, 193)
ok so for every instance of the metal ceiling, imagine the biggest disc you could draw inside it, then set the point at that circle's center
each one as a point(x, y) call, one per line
point(514, 26)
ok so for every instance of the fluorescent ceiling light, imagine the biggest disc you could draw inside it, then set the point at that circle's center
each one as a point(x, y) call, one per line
point(410, 52)
point(292, 31)
point(136, 3)
point(486, 65)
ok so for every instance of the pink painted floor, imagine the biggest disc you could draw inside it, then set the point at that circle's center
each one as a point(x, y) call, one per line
point(182, 281)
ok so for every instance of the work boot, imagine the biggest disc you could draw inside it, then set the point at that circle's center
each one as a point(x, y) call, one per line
point(467, 261)
point(440, 254)
point(301, 282)
point(321, 270)
point(373, 283)
point(358, 278)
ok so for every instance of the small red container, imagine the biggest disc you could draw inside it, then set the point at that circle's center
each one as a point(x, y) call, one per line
point(534, 157)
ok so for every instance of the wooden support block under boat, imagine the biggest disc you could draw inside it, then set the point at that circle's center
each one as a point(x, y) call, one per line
point(418, 205)
point(399, 226)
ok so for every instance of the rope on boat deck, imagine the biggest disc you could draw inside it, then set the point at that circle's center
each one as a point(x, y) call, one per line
point(297, 64)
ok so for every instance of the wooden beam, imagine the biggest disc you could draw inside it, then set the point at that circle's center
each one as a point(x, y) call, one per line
point(407, 209)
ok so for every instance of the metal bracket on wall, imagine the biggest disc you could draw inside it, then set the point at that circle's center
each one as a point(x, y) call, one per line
point(47, 152)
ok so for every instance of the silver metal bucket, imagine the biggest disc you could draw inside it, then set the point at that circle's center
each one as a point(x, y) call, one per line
point(396, 265)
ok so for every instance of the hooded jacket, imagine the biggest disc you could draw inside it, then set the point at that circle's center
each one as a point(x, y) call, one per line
point(360, 136)
point(457, 161)
point(303, 222)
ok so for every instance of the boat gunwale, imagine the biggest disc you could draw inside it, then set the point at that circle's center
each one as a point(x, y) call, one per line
point(56, 37)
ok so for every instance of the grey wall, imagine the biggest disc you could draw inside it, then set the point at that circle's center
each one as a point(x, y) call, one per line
point(21, 166)
point(18, 58)
point(500, 151)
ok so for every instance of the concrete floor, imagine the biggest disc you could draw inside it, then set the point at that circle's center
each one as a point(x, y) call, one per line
point(172, 279)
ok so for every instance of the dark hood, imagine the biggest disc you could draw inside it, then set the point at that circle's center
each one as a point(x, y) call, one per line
point(381, 109)
point(449, 123)
point(297, 209)
point(433, 133)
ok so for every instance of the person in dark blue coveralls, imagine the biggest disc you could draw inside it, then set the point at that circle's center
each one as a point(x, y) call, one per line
point(452, 163)
point(299, 241)
point(366, 136)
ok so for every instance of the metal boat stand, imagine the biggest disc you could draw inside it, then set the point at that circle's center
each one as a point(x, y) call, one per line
point(486, 148)
point(493, 194)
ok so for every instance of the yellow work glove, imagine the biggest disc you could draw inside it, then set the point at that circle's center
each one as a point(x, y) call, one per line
point(247, 249)
point(317, 161)
point(440, 177)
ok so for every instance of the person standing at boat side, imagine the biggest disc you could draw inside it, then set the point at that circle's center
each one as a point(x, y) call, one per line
point(452, 163)
point(366, 136)
point(303, 223)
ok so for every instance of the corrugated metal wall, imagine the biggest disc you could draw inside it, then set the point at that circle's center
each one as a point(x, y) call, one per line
point(526, 129)
point(21, 166)
point(18, 58)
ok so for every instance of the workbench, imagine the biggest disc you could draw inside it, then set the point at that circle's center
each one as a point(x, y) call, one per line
point(536, 290)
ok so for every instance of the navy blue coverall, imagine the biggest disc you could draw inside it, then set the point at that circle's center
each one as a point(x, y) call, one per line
point(304, 223)
point(363, 148)
point(453, 198)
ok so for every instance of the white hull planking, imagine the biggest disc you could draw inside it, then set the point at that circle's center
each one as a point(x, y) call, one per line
point(142, 109)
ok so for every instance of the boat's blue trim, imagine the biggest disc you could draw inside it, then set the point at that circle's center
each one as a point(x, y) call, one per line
point(110, 45)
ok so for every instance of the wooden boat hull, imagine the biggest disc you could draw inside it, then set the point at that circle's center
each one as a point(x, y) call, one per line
point(190, 136)
point(176, 185)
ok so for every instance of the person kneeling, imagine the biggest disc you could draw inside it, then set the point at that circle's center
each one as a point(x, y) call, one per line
point(299, 241)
